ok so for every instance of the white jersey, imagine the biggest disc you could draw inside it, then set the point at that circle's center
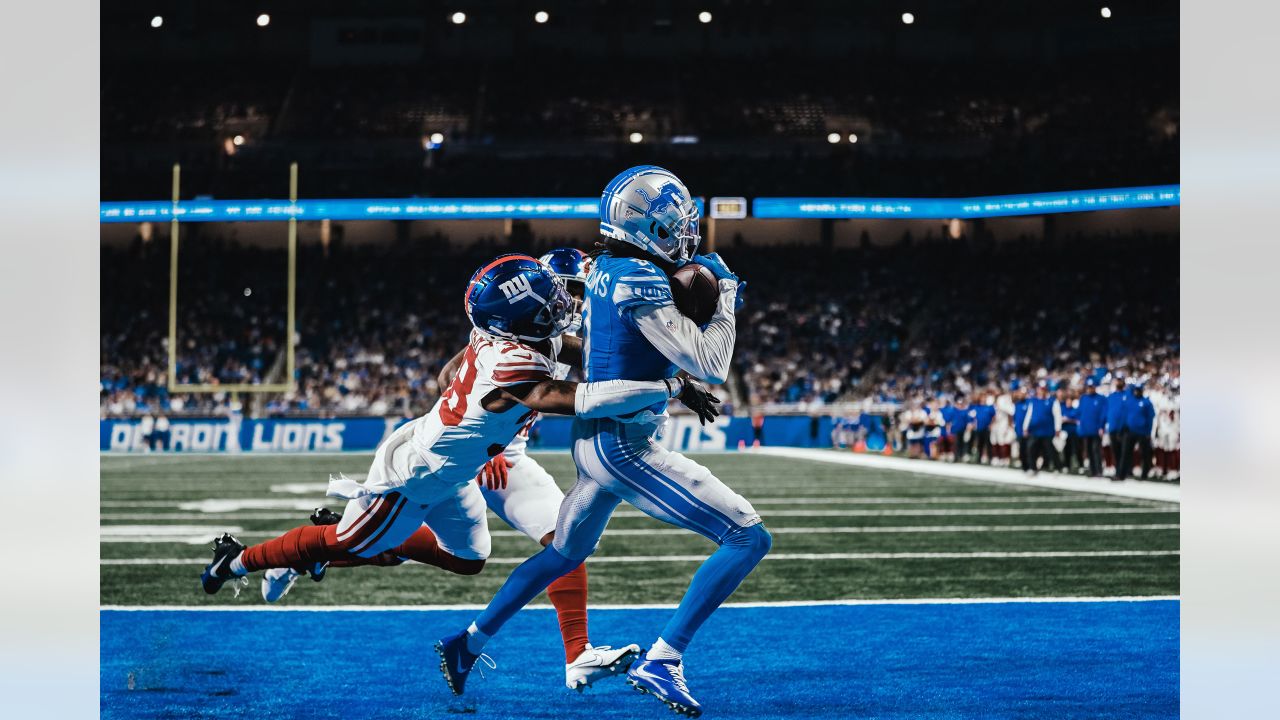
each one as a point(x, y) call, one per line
point(457, 436)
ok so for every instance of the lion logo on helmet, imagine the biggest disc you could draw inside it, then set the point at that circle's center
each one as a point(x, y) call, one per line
point(669, 195)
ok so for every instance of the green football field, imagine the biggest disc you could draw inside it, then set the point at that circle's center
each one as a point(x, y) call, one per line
point(839, 533)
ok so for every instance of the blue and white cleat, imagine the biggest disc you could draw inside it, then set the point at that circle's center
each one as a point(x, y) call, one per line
point(597, 663)
point(664, 679)
point(456, 661)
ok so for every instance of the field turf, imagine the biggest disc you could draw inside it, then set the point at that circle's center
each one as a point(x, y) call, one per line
point(840, 533)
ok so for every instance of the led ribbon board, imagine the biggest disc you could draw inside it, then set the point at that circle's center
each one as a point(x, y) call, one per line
point(974, 207)
point(588, 208)
point(344, 209)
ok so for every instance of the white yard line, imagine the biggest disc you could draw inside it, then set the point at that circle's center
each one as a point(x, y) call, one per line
point(161, 534)
point(233, 505)
point(768, 514)
point(654, 606)
point(1165, 492)
point(772, 556)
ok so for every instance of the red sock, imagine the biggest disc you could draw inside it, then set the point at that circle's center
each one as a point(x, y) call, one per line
point(422, 547)
point(382, 559)
point(299, 548)
point(569, 597)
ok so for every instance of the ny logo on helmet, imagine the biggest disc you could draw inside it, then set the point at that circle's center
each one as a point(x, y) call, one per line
point(668, 194)
point(517, 289)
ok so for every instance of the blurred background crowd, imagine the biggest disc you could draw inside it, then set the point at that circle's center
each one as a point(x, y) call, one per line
point(908, 330)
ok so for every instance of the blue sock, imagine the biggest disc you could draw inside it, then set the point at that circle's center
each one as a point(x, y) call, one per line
point(525, 582)
point(715, 581)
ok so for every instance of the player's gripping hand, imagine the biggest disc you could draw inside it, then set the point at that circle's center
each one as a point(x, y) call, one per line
point(493, 474)
point(699, 399)
point(738, 299)
point(714, 263)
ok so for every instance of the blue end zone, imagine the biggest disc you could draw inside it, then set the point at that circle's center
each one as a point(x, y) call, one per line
point(1010, 660)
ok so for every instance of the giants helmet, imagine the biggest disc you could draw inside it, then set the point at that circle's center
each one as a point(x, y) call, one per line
point(571, 264)
point(650, 208)
point(517, 297)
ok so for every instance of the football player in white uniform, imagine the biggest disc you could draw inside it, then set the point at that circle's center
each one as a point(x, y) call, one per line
point(525, 496)
point(419, 500)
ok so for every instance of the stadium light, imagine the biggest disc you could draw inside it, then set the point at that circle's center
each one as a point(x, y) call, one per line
point(1106, 12)
point(437, 138)
point(704, 17)
point(264, 20)
point(458, 18)
point(833, 138)
point(157, 21)
point(541, 17)
point(238, 140)
point(635, 137)
point(908, 18)
point(853, 137)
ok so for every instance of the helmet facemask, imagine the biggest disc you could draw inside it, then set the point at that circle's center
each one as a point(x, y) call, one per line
point(677, 242)
point(554, 317)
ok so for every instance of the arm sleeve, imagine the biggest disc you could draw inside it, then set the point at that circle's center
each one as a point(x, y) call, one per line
point(705, 354)
point(1057, 416)
point(517, 365)
point(608, 398)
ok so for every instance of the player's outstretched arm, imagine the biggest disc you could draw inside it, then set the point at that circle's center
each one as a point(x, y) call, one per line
point(609, 398)
point(705, 354)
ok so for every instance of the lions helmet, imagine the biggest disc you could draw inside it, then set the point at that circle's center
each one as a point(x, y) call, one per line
point(571, 264)
point(517, 297)
point(650, 208)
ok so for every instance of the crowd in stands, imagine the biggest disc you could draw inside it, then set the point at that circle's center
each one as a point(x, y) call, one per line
point(918, 326)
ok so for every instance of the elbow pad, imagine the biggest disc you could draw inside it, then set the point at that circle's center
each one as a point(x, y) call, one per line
point(608, 398)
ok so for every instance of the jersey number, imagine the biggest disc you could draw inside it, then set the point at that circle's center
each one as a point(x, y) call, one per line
point(454, 404)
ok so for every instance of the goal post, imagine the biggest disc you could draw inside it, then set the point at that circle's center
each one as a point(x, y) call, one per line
point(291, 303)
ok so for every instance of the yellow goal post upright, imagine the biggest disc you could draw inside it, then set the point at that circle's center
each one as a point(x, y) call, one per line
point(290, 321)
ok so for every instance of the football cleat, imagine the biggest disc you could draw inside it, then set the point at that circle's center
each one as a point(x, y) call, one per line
point(325, 516)
point(597, 663)
point(277, 582)
point(664, 679)
point(218, 572)
point(456, 661)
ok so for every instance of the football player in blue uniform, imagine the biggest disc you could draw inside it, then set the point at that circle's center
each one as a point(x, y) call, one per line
point(631, 329)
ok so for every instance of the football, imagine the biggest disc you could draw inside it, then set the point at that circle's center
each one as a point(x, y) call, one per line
point(696, 292)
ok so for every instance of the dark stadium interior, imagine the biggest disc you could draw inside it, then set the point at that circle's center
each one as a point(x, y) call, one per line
point(974, 98)
point(809, 98)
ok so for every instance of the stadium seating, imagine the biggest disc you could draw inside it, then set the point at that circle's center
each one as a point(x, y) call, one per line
point(897, 324)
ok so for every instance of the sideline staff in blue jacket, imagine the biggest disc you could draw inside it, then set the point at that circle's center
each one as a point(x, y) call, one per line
point(983, 414)
point(1043, 421)
point(1093, 421)
point(1019, 421)
point(1116, 427)
point(1140, 416)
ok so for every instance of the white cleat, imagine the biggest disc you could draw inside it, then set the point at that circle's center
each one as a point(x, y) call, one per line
point(596, 663)
point(277, 582)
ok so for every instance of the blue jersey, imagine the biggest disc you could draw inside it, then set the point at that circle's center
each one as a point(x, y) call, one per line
point(613, 347)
